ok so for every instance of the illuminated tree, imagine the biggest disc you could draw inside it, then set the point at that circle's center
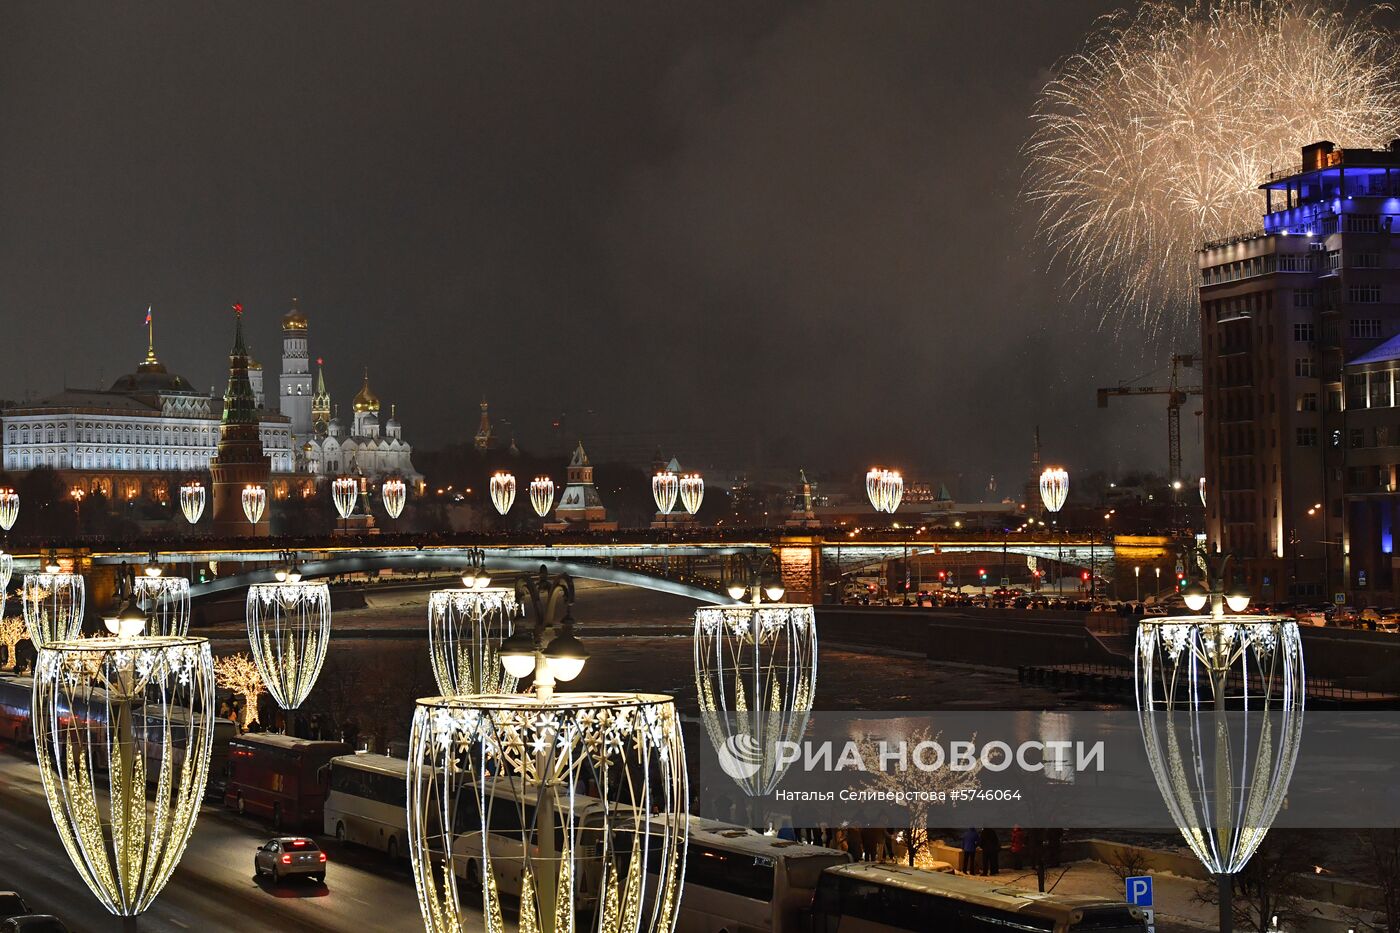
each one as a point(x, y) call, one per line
point(238, 673)
point(12, 632)
point(917, 786)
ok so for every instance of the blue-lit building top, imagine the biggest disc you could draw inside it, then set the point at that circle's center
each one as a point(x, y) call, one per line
point(1331, 184)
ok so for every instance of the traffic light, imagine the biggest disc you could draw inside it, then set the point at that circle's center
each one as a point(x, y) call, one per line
point(1084, 576)
point(982, 572)
point(942, 575)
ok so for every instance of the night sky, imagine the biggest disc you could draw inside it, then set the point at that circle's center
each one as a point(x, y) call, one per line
point(794, 222)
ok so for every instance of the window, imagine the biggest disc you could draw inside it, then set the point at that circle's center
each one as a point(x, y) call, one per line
point(1380, 390)
point(1296, 262)
point(1358, 438)
point(1334, 259)
point(1366, 260)
point(1363, 223)
point(1303, 332)
point(1363, 328)
point(1302, 298)
point(1307, 437)
point(1305, 366)
point(1307, 401)
point(1364, 294)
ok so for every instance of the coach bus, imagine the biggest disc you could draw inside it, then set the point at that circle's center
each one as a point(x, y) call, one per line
point(225, 731)
point(873, 897)
point(16, 693)
point(368, 801)
point(739, 879)
point(280, 777)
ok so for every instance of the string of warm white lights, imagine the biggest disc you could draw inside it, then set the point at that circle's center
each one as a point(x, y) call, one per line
point(53, 606)
point(755, 676)
point(665, 487)
point(395, 494)
point(345, 492)
point(465, 630)
point(1054, 488)
point(692, 489)
point(542, 495)
point(289, 624)
point(595, 788)
point(123, 731)
point(9, 508)
point(502, 491)
point(192, 501)
point(166, 602)
point(254, 502)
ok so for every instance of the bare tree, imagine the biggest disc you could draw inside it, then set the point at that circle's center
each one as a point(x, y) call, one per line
point(1383, 870)
point(1266, 888)
point(1128, 862)
point(238, 673)
point(12, 632)
point(920, 788)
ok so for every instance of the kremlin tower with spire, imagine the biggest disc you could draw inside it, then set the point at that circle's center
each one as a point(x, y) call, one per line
point(240, 462)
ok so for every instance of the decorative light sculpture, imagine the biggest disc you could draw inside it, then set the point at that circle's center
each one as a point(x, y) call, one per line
point(465, 630)
point(542, 495)
point(289, 623)
point(1203, 492)
point(692, 487)
point(1054, 488)
point(665, 486)
point(192, 501)
point(395, 494)
point(9, 508)
point(7, 569)
point(539, 765)
point(884, 488)
point(345, 492)
point(53, 605)
point(502, 491)
point(166, 602)
point(112, 718)
point(1220, 703)
point(254, 502)
point(756, 676)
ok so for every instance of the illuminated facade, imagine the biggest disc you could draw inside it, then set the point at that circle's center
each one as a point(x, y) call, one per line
point(370, 449)
point(1292, 317)
point(579, 506)
point(134, 439)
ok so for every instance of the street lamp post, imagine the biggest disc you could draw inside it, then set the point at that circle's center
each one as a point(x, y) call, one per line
point(1137, 584)
point(1220, 704)
point(289, 624)
point(1054, 490)
point(345, 492)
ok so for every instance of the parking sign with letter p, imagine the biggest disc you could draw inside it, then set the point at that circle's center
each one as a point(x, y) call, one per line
point(1139, 889)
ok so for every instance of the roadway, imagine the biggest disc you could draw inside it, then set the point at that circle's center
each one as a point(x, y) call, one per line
point(213, 888)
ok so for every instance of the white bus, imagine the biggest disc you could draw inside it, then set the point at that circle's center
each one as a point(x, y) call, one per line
point(882, 898)
point(737, 880)
point(368, 801)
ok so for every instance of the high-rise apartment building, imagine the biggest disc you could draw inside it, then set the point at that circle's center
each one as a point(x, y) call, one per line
point(1290, 317)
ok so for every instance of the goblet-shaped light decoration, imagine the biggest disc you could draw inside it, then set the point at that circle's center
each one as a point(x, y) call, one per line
point(9, 508)
point(345, 492)
point(756, 675)
point(1220, 703)
point(192, 501)
point(1203, 492)
point(692, 488)
point(53, 606)
point(502, 491)
point(289, 624)
point(254, 502)
point(166, 602)
point(465, 630)
point(665, 487)
point(542, 495)
point(1054, 488)
point(395, 494)
point(600, 781)
point(123, 731)
point(7, 569)
point(884, 488)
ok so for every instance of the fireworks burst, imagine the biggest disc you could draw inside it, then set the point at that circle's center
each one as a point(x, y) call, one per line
point(1156, 136)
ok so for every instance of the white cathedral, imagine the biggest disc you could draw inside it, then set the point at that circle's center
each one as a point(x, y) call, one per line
point(128, 439)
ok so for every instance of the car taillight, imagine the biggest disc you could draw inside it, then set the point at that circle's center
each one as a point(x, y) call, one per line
point(286, 860)
point(323, 856)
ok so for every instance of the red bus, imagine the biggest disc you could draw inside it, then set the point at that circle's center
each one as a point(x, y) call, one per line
point(280, 777)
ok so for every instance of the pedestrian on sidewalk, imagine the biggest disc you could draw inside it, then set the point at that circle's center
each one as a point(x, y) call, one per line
point(969, 851)
point(991, 851)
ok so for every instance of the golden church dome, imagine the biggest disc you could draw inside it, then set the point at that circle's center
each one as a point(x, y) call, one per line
point(365, 399)
point(294, 319)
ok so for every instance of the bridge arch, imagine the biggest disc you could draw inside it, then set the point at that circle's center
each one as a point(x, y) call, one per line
point(440, 558)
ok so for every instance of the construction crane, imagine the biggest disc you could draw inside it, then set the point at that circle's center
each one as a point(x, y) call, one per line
point(1176, 393)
